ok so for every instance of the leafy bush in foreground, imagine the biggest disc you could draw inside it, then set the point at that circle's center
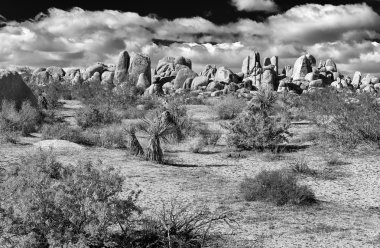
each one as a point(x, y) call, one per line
point(46, 204)
point(279, 187)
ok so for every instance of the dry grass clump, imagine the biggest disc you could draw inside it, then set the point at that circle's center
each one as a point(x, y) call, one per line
point(301, 166)
point(279, 187)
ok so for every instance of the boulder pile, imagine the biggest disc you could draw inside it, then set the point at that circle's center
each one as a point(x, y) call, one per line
point(175, 76)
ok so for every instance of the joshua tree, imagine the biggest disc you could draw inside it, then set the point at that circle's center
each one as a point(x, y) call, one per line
point(158, 131)
point(133, 142)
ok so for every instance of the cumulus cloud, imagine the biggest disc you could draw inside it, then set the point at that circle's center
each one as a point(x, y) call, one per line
point(255, 5)
point(78, 37)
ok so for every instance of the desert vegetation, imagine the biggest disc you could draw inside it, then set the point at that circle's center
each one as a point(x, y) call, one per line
point(95, 160)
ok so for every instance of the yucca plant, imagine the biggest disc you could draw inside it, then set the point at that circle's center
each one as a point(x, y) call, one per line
point(133, 142)
point(177, 122)
point(263, 101)
point(158, 131)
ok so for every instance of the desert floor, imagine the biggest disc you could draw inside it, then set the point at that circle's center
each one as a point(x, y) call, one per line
point(347, 215)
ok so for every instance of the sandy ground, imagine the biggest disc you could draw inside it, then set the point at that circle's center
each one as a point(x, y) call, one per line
point(348, 214)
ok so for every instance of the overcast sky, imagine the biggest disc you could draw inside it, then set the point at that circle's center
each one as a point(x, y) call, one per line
point(76, 33)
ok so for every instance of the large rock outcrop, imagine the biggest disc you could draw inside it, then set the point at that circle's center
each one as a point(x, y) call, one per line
point(91, 70)
point(183, 61)
point(140, 63)
point(225, 75)
point(13, 88)
point(121, 70)
point(181, 77)
point(301, 68)
point(165, 67)
point(209, 71)
point(250, 62)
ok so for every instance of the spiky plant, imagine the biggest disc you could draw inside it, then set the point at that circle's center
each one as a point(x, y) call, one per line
point(133, 142)
point(177, 122)
point(158, 131)
point(263, 101)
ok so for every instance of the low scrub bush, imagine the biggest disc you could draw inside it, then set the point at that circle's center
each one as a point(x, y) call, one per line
point(229, 107)
point(301, 166)
point(181, 225)
point(348, 119)
point(62, 131)
point(257, 132)
point(97, 115)
point(108, 137)
point(197, 145)
point(25, 120)
point(46, 204)
point(133, 113)
point(280, 187)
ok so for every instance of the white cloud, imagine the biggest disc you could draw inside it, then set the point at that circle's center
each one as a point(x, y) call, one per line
point(80, 38)
point(255, 5)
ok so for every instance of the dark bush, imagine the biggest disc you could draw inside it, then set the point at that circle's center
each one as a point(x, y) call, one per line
point(279, 187)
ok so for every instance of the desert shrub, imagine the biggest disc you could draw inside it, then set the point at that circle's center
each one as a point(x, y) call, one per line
point(257, 132)
point(180, 225)
point(52, 94)
point(197, 145)
point(213, 138)
point(172, 111)
point(333, 160)
point(301, 166)
point(24, 120)
point(133, 113)
point(229, 107)
point(63, 131)
point(259, 127)
point(46, 204)
point(108, 137)
point(94, 115)
point(279, 186)
point(348, 119)
point(51, 116)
